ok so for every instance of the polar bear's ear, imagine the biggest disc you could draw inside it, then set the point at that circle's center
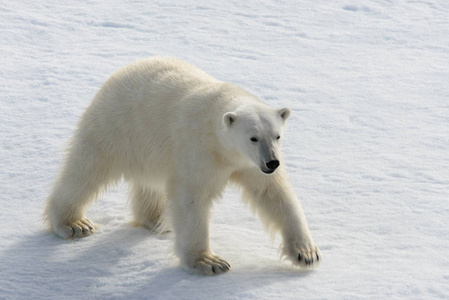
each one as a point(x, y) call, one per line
point(284, 113)
point(229, 118)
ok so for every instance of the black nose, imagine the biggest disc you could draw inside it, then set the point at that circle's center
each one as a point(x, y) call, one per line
point(272, 165)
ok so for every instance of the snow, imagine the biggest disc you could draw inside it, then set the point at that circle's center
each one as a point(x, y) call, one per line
point(366, 146)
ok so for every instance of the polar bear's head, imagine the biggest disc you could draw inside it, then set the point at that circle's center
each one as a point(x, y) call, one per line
point(256, 134)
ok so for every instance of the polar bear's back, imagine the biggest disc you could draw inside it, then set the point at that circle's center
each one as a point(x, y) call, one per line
point(163, 72)
point(156, 84)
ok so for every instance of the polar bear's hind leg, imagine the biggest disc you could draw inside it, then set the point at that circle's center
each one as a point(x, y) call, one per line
point(84, 175)
point(147, 205)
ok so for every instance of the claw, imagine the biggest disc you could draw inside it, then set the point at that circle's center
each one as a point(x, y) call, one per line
point(299, 256)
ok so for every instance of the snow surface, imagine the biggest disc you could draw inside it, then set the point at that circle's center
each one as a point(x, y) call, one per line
point(366, 146)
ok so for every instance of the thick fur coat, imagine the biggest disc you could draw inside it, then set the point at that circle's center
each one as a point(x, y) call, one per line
point(178, 135)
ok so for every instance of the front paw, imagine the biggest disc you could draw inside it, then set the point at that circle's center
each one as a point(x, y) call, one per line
point(303, 253)
point(206, 264)
point(78, 229)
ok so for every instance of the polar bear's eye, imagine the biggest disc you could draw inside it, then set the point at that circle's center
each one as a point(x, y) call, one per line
point(278, 137)
point(254, 139)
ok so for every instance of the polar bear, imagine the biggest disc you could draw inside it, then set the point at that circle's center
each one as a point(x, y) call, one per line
point(179, 136)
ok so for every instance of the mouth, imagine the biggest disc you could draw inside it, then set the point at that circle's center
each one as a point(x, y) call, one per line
point(268, 171)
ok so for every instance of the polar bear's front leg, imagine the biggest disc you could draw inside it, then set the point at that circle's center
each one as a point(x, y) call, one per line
point(275, 201)
point(299, 247)
point(191, 216)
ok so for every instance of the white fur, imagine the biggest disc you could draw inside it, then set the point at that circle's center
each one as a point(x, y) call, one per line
point(179, 135)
